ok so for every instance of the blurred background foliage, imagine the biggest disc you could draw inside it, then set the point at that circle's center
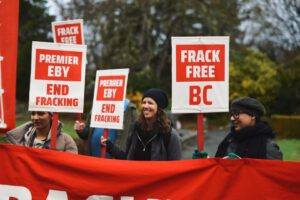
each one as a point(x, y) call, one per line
point(136, 34)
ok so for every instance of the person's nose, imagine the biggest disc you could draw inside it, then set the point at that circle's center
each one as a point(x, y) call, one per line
point(145, 105)
point(35, 116)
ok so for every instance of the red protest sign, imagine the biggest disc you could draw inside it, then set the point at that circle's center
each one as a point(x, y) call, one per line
point(109, 94)
point(58, 65)
point(200, 63)
point(111, 88)
point(200, 80)
point(68, 32)
point(57, 77)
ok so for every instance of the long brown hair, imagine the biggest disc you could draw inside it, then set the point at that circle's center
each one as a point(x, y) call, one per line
point(161, 124)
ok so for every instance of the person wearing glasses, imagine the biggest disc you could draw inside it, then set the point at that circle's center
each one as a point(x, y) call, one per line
point(249, 137)
point(37, 134)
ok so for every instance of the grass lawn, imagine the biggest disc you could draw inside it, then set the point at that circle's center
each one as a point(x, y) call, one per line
point(67, 124)
point(290, 149)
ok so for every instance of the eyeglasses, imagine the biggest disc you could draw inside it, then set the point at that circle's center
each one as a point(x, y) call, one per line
point(39, 113)
point(235, 114)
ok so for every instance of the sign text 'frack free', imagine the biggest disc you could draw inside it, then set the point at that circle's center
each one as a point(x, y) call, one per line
point(200, 74)
point(68, 32)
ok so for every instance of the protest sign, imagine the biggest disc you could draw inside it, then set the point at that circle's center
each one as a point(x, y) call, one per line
point(68, 32)
point(57, 77)
point(9, 13)
point(200, 73)
point(109, 96)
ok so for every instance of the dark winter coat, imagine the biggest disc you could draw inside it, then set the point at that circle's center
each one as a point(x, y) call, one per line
point(251, 142)
point(163, 147)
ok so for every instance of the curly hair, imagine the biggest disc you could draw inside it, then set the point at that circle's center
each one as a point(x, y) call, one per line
point(162, 122)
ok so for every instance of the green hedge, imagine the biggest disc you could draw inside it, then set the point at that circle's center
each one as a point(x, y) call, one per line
point(286, 126)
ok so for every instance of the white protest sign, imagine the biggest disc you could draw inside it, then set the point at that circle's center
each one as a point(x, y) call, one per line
point(57, 77)
point(109, 96)
point(68, 32)
point(200, 74)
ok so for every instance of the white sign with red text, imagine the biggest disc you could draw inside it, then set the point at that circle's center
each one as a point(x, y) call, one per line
point(68, 32)
point(109, 96)
point(200, 74)
point(57, 77)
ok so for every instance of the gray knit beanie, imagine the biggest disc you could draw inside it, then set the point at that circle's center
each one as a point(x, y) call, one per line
point(248, 105)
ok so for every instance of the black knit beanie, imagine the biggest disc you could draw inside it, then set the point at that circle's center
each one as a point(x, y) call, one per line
point(248, 105)
point(159, 96)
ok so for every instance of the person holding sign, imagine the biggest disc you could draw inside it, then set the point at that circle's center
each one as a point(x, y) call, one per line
point(37, 134)
point(93, 135)
point(151, 136)
point(249, 137)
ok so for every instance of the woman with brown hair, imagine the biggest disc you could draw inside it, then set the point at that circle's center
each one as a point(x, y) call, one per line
point(151, 136)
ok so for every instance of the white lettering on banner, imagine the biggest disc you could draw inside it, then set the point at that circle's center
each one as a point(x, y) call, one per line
point(55, 194)
point(58, 59)
point(204, 71)
point(200, 56)
point(100, 197)
point(58, 71)
point(18, 192)
point(23, 193)
point(115, 83)
point(68, 30)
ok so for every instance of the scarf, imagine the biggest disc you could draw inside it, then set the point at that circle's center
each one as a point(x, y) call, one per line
point(251, 141)
point(30, 140)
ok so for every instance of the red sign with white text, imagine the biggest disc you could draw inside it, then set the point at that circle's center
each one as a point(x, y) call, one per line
point(200, 63)
point(68, 32)
point(200, 74)
point(111, 88)
point(57, 77)
point(46, 174)
point(58, 65)
point(9, 15)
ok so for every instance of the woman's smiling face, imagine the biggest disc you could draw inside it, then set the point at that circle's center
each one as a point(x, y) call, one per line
point(149, 108)
point(241, 120)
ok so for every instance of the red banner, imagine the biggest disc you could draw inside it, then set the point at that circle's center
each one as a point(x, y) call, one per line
point(27, 173)
point(9, 13)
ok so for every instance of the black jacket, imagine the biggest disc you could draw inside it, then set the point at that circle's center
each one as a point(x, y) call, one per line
point(159, 149)
point(251, 142)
